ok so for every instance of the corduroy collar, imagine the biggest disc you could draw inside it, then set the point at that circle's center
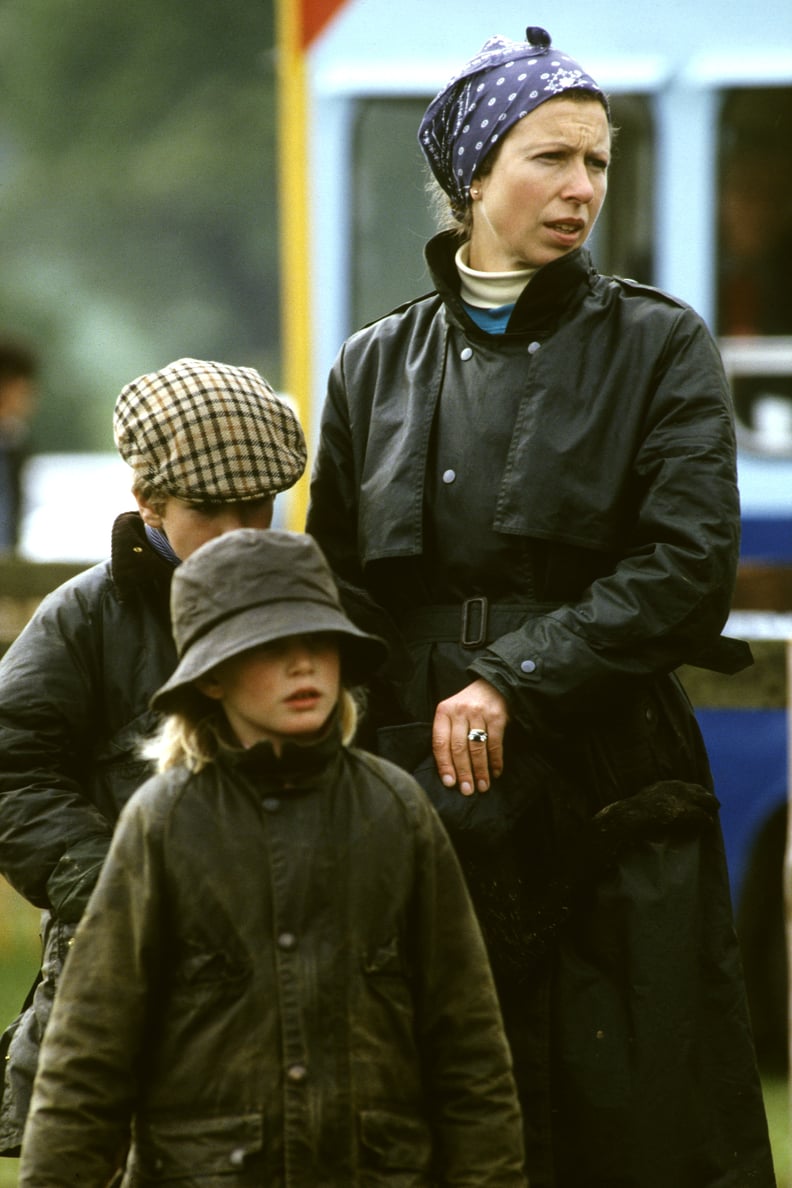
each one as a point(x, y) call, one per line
point(134, 565)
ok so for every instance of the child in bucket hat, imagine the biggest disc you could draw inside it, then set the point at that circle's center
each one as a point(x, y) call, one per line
point(210, 445)
point(279, 975)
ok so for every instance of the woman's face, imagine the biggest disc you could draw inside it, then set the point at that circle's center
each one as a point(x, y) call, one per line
point(545, 190)
point(279, 690)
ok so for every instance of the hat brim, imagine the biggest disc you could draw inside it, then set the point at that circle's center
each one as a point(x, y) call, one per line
point(361, 653)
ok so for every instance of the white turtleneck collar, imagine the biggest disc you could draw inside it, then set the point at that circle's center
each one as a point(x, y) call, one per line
point(489, 290)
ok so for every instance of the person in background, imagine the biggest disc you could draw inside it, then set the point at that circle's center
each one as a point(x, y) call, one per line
point(209, 446)
point(526, 481)
point(321, 1011)
point(18, 393)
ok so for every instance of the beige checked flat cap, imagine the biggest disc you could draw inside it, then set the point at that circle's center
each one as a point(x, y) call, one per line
point(201, 430)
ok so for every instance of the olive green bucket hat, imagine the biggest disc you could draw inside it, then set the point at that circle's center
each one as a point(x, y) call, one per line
point(250, 587)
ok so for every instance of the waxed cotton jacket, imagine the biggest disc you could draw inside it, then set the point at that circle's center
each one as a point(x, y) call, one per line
point(555, 509)
point(281, 977)
point(621, 461)
point(74, 693)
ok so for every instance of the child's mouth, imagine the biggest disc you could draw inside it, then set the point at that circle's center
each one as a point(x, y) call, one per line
point(304, 697)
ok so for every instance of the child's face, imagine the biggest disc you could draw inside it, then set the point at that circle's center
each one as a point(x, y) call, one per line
point(190, 525)
point(282, 690)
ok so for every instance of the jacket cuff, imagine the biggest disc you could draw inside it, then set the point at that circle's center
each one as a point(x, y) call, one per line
point(70, 885)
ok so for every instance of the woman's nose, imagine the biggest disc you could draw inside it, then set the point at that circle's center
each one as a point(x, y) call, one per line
point(579, 185)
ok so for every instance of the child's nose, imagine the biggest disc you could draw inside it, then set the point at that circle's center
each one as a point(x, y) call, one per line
point(300, 657)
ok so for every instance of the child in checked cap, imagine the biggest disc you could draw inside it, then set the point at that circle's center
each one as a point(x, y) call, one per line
point(279, 978)
point(210, 445)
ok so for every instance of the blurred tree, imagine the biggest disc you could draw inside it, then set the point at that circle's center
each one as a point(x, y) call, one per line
point(138, 215)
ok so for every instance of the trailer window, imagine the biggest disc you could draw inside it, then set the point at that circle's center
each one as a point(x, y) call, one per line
point(754, 313)
point(391, 218)
point(755, 212)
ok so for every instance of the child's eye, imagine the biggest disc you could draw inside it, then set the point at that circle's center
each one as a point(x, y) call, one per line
point(204, 509)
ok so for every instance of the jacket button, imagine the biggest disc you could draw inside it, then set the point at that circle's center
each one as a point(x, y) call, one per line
point(466, 353)
point(528, 666)
point(449, 476)
point(297, 1073)
point(287, 940)
point(237, 1157)
point(271, 804)
point(533, 347)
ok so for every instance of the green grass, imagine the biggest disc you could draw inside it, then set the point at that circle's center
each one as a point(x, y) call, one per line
point(19, 954)
point(19, 961)
point(776, 1097)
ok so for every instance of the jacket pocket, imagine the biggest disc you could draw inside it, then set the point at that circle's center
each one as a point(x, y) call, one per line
point(484, 822)
point(191, 1150)
point(393, 1143)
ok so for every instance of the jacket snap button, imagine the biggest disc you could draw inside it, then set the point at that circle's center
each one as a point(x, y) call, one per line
point(237, 1157)
point(297, 1073)
point(271, 804)
point(287, 940)
point(528, 666)
point(466, 353)
point(449, 476)
point(533, 347)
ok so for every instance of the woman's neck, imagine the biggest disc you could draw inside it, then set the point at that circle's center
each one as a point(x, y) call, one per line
point(488, 290)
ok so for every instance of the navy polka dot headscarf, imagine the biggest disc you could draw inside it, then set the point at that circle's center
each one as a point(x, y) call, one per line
point(477, 107)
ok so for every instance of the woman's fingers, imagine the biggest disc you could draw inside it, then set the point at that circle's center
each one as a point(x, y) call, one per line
point(467, 737)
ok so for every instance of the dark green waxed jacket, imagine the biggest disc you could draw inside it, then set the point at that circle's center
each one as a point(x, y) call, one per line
point(280, 977)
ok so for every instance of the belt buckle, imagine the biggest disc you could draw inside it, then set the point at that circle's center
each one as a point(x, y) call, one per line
point(472, 609)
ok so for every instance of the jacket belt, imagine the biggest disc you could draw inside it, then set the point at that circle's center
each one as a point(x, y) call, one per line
point(476, 622)
point(471, 624)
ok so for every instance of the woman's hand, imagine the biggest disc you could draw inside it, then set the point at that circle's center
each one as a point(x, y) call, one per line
point(467, 762)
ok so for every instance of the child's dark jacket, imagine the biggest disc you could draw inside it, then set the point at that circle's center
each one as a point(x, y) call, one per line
point(75, 688)
point(281, 977)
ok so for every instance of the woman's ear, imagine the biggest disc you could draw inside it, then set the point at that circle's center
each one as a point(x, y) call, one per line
point(148, 513)
point(210, 686)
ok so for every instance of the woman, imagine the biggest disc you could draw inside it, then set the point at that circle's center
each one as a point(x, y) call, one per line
point(527, 478)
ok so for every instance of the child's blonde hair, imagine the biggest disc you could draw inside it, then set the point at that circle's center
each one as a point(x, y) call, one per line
point(192, 735)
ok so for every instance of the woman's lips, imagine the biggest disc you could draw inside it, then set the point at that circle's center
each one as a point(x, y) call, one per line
point(567, 230)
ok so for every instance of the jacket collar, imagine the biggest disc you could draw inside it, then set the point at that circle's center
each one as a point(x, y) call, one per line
point(298, 767)
point(551, 290)
point(134, 565)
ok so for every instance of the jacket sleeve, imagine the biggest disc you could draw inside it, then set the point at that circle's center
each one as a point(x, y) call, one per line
point(333, 522)
point(52, 838)
point(333, 509)
point(668, 593)
point(469, 1082)
point(88, 1076)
